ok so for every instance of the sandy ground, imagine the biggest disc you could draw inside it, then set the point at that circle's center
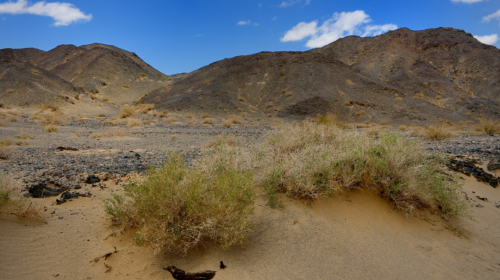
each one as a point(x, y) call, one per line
point(352, 235)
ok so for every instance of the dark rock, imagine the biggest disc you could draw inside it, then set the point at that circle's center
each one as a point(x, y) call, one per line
point(91, 179)
point(180, 274)
point(481, 198)
point(41, 190)
point(60, 148)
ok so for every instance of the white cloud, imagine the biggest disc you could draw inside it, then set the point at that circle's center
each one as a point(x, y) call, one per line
point(274, 18)
point(300, 31)
point(340, 25)
point(244, 22)
point(63, 13)
point(467, 1)
point(289, 3)
point(495, 15)
point(375, 30)
point(488, 39)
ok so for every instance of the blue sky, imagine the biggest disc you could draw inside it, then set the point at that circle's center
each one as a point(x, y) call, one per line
point(177, 36)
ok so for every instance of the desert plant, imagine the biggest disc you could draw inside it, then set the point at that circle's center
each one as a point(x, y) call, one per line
point(176, 207)
point(4, 152)
point(204, 115)
point(96, 136)
point(209, 121)
point(51, 128)
point(170, 120)
point(132, 122)
point(160, 114)
point(4, 123)
point(126, 112)
point(488, 126)
point(24, 136)
point(145, 108)
point(11, 202)
point(126, 86)
point(311, 161)
point(436, 132)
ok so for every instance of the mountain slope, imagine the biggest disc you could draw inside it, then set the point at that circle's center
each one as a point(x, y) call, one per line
point(392, 77)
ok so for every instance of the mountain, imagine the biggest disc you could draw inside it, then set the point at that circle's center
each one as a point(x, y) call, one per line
point(97, 70)
point(402, 76)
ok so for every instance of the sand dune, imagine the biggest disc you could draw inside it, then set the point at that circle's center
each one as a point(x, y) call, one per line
point(353, 235)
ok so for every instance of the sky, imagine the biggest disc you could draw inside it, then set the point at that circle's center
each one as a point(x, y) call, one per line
point(177, 36)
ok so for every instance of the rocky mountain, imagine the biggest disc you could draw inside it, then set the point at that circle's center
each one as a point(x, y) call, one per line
point(66, 73)
point(402, 76)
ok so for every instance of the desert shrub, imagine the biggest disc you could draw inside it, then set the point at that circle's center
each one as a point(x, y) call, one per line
point(176, 206)
point(234, 119)
point(96, 136)
point(12, 203)
point(132, 122)
point(227, 123)
point(4, 152)
point(145, 108)
point(311, 161)
point(160, 114)
point(189, 116)
point(204, 115)
point(436, 132)
point(126, 112)
point(126, 86)
point(4, 123)
point(151, 121)
point(170, 120)
point(209, 121)
point(399, 98)
point(51, 128)
point(403, 127)
point(24, 136)
point(49, 119)
point(488, 126)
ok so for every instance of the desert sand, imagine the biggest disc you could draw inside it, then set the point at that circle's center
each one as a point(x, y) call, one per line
point(351, 235)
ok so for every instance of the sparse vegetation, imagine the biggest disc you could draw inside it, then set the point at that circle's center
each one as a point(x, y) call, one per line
point(51, 128)
point(4, 123)
point(11, 202)
point(133, 122)
point(125, 86)
point(170, 120)
point(488, 126)
point(176, 207)
point(436, 132)
point(160, 114)
point(311, 161)
point(145, 108)
point(209, 121)
point(24, 136)
point(126, 112)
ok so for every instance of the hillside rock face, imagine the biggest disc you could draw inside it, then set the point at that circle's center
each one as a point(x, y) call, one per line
point(402, 76)
point(31, 76)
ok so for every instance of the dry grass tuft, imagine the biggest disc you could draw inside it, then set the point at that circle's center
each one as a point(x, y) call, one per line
point(24, 136)
point(436, 132)
point(177, 207)
point(488, 126)
point(133, 122)
point(12, 203)
point(160, 114)
point(209, 121)
point(170, 120)
point(4, 123)
point(126, 112)
point(116, 132)
point(51, 128)
point(311, 161)
point(145, 108)
point(399, 98)
point(227, 123)
point(204, 115)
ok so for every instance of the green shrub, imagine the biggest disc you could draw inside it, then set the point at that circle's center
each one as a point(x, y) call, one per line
point(176, 206)
point(311, 161)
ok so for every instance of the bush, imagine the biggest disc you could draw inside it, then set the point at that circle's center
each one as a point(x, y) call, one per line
point(11, 202)
point(436, 132)
point(488, 126)
point(176, 207)
point(126, 112)
point(4, 152)
point(144, 108)
point(51, 128)
point(311, 161)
